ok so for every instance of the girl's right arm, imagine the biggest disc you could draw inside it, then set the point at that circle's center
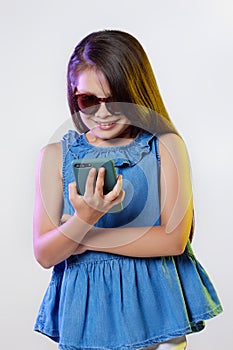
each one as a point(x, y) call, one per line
point(53, 242)
point(50, 245)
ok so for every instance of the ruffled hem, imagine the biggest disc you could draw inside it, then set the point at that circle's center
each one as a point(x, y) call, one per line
point(129, 154)
point(174, 297)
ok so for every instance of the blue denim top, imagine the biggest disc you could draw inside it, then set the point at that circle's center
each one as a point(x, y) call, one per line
point(102, 301)
point(139, 168)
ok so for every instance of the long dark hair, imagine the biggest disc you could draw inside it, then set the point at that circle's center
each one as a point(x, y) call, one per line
point(124, 63)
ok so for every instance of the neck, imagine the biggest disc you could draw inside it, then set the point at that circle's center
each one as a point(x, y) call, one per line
point(121, 140)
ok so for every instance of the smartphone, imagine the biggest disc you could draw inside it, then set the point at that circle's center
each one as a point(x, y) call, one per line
point(81, 168)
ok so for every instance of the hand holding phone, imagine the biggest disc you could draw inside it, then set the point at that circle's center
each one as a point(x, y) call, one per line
point(81, 168)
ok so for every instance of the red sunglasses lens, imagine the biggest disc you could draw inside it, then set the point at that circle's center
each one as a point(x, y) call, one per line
point(88, 104)
point(113, 108)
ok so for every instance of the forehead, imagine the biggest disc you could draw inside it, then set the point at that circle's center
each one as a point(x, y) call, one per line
point(92, 81)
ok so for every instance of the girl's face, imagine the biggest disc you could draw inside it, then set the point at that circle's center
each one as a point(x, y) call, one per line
point(103, 125)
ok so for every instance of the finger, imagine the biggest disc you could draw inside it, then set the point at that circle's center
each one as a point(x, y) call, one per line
point(116, 190)
point(89, 187)
point(72, 191)
point(121, 196)
point(100, 181)
point(119, 199)
point(65, 217)
point(118, 187)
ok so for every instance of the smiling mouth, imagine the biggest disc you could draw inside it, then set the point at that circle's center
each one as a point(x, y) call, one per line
point(106, 123)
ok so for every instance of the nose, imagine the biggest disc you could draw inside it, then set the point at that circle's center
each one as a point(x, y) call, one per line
point(102, 111)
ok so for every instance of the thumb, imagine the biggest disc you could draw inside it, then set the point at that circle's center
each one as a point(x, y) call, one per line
point(72, 191)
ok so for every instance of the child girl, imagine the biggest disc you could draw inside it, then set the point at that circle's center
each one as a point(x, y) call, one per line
point(123, 279)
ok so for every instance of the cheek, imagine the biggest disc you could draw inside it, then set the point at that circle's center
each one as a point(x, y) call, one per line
point(85, 118)
point(126, 121)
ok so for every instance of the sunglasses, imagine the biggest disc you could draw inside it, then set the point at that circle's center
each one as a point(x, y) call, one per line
point(90, 104)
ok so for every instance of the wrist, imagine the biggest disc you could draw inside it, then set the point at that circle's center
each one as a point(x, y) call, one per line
point(88, 214)
point(75, 228)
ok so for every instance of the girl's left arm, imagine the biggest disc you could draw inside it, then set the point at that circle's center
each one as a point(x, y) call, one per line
point(170, 238)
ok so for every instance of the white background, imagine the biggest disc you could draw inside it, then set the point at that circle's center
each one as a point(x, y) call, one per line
point(190, 46)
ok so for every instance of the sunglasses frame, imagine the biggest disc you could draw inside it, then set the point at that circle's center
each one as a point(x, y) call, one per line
point(98, 100)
